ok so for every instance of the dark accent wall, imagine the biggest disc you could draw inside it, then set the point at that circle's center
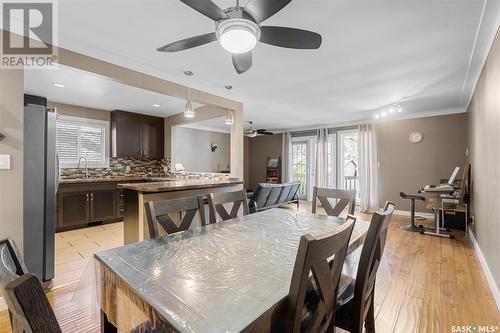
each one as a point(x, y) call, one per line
point(259, 149)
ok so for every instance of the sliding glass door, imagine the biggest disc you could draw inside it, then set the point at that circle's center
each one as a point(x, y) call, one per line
point(342, 162)
point(300, 163)
point(303, 165)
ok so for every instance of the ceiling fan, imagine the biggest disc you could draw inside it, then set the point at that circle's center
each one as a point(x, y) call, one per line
point(252, 133)
point(238, 30)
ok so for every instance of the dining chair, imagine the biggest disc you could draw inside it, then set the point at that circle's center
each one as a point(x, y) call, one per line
point(356, 305)
point(216, 203)
point(160, 212)
point(344, 198)
point(310, 306)
point(29, 308)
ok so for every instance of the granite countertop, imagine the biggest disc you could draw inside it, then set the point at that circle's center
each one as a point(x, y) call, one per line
point(179, 184)
point(123, 178)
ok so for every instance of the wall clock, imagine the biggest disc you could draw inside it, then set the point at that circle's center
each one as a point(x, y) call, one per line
point(415, 137)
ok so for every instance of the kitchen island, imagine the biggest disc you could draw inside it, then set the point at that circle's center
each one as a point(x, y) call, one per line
point(137, 194)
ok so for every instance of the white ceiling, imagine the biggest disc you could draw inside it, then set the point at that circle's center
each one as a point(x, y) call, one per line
point(374, 53)
point(89, 90)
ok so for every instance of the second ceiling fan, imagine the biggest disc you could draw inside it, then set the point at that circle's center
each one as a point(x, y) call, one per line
point(238, 30)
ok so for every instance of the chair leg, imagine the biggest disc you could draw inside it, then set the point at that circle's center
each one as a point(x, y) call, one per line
point(297, 204)
point(370, 319)
point(411, 227)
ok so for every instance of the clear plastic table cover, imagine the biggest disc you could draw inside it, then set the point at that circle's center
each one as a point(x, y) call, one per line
point(218, 278)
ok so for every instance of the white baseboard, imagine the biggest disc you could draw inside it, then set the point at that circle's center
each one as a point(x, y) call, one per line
point(487, 272)
point(407, 213)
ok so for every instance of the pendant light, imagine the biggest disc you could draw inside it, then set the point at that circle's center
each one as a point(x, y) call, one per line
point(189, 109)
point(229, 120)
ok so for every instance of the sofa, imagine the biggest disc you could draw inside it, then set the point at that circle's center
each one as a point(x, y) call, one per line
point(267, 196)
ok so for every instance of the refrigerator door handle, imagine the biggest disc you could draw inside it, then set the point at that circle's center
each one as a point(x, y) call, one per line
point(58, 172)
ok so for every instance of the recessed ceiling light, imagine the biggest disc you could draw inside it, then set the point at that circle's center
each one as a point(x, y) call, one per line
point(384, 114)
point(58, 85)
point(376, 116)
point(156, 105)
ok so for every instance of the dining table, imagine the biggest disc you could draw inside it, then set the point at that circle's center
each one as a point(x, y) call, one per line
point(229, 276)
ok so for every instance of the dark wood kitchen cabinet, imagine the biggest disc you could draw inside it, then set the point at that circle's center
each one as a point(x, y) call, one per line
point(73, 209)
point(136, 135)
point(103, 205)
point(80, 204)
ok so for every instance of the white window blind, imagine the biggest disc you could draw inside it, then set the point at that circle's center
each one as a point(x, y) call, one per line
point(77, 137)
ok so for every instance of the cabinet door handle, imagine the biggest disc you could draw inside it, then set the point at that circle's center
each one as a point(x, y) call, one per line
point(92, 196)
point(87, 196)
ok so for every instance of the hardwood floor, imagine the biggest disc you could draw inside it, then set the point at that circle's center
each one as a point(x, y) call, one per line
point(426, 284)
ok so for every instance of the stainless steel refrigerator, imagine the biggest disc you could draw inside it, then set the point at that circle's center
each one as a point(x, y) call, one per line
point(41, 175)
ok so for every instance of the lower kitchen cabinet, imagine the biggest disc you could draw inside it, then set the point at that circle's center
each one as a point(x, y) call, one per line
point(103, 205)
point(81, 204)
point(73, 209)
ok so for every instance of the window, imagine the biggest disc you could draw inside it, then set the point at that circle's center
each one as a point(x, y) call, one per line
point(304, 165)
point(332, 161)
point(81, 137)
point(348, 161)
point(299, 166)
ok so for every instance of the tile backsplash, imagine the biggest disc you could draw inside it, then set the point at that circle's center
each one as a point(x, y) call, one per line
point(120, 166)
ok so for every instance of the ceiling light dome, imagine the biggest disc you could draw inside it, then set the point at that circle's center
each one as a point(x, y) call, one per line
point(238, 35)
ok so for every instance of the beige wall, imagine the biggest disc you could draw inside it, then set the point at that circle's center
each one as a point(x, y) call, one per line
point(484, 134)
point(259, 149)
point(192, 149)
point(209, 112)
point(404, 166)
point(80, 111)
point(11, 181)
point(407, 167)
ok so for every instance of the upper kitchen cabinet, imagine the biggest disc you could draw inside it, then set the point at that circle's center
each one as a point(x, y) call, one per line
point(136, 135)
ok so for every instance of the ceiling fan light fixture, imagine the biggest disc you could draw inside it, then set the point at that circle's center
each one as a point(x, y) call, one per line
point(238, 35)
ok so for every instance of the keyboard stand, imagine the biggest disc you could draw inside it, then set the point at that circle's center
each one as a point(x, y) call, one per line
point(438, 207)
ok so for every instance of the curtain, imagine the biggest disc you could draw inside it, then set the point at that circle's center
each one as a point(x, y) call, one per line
point(321, 174)
point(368, 168)
point(286, 157)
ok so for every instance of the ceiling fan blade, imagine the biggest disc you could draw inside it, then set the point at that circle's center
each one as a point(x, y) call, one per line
point(242, 62)
point(207, 8)
point(290, 37)
point(261, 10)
point(264, 131)
point(188, 43)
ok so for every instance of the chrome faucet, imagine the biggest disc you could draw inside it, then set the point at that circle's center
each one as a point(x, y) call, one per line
point(86, 168)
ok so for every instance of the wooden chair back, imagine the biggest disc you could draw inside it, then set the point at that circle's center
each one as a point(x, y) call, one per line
point(316, 273)
point(216, 203)
point(159, 212)
point(29, 308)
point(371, 255)
point(344, 198)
